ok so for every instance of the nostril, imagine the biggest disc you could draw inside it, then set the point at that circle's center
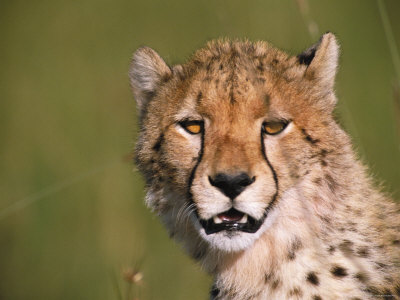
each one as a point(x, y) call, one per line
point(245, 181)
point(231, 185)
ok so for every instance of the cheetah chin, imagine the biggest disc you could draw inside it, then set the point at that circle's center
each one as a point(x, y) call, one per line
point(232, 230)
point(231, 221)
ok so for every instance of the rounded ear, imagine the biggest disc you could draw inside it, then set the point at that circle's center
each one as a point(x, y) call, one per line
point(147, 72)
point(322, 61)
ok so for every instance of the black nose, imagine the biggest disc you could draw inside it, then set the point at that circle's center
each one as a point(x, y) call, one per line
point(231, 185)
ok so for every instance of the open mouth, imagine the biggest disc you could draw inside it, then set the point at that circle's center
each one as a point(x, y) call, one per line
point(232, 220)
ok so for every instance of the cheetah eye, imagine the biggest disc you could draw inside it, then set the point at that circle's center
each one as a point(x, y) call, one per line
point(193, 127)
point(274, 127)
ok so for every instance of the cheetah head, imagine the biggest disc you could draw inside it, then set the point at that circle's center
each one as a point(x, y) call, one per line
point(224, 137)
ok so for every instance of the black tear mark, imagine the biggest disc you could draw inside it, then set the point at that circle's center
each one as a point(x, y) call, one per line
point(274, 175)
point(308, 138)
point(317, 297)
point(191, 177)
point(157, 145)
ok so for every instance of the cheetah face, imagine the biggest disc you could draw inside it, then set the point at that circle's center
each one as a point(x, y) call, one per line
point(226, 135)
point(233, 185)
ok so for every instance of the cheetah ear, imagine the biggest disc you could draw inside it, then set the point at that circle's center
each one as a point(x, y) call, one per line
point(322, 61)
point(147, 72)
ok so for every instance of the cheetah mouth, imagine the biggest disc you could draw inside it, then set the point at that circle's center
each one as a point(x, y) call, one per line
point(232, 220)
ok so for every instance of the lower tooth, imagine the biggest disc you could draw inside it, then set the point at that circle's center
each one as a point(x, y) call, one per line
point(243, 219)
point(217, 220)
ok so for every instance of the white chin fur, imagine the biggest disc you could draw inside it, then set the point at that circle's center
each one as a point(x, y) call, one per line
point(233, 241)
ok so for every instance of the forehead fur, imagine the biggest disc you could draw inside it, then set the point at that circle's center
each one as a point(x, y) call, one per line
point(251, 76)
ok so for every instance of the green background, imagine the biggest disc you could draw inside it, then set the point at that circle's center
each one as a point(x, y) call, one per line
point(72, 218)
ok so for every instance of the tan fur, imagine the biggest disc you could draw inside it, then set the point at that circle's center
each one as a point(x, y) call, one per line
point(329, 233)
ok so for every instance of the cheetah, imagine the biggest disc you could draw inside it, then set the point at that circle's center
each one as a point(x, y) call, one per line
point(247, 168)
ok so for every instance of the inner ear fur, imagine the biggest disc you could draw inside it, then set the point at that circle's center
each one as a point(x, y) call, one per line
point(147, 72)
point(321, 60)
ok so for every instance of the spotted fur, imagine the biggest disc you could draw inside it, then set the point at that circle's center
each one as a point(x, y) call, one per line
point(328, 232)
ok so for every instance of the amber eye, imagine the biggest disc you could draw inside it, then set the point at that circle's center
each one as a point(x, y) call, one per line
point(193, 127)
point(274, 127)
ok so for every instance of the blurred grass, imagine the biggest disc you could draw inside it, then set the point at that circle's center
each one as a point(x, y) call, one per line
point(66, 110)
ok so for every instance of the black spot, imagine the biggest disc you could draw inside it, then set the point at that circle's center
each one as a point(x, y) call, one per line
point(267, 99)
point(397, 290)
point(261, 79)
point(387, 294)
point(275, 284)
point(296, 245)
point(346, 246)
point(326, 220)
point(332, 184)
point(295, 292)
point(380, 265)
point(323, 153)
point(372, 290)
point(313, 278)
point(363, 252)
point(331, 249)
point(221, 66)
point(275, 61)
point(396, 242)
point(361, 277)
point(199, 254)
point(214, 292)
point(339, 271)
point(267, 277)
point(260, 66)
point(317, 181)
point(308, 138)
point(317, 297)
point(199, 97)
point(157, 145)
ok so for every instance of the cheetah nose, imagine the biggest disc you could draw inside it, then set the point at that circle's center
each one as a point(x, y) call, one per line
point(231, 185)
